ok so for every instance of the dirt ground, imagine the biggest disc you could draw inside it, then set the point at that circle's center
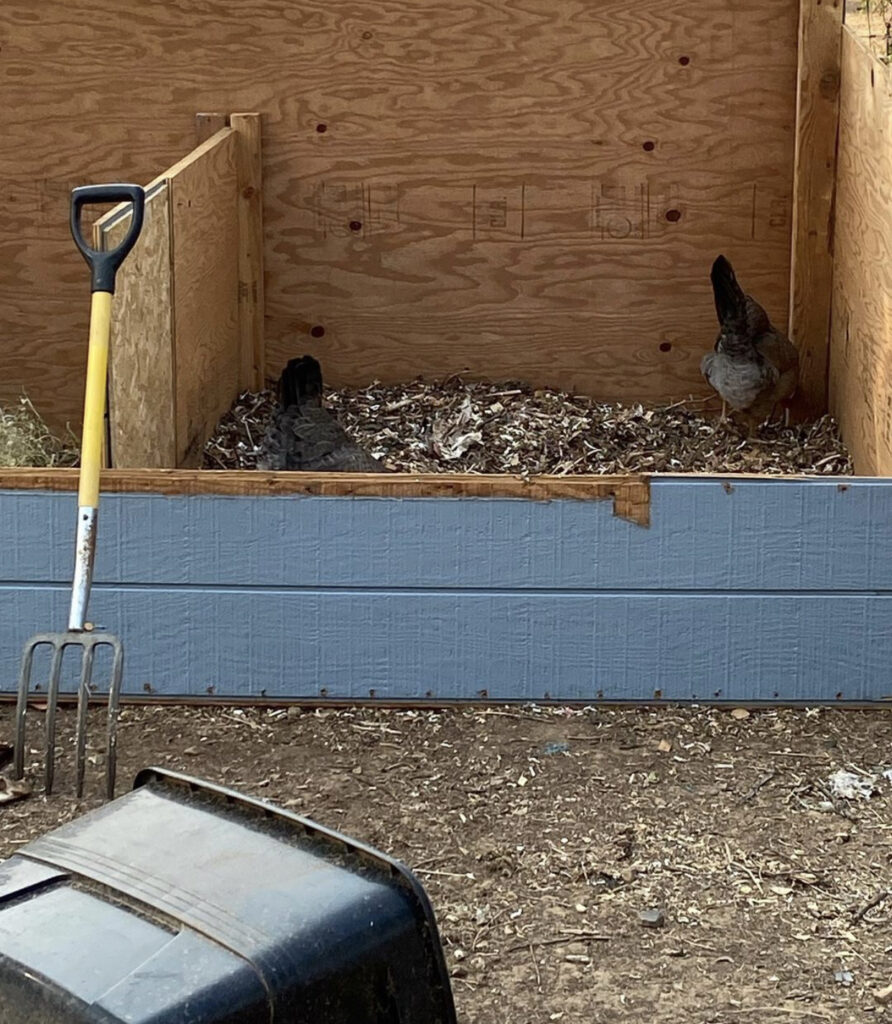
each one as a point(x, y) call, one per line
point(541, 834)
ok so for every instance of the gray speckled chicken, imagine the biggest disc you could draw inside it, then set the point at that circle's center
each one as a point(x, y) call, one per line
point(303, 435)
point(754, 367)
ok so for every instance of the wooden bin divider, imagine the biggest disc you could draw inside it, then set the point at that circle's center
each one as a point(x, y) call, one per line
point(187, 323)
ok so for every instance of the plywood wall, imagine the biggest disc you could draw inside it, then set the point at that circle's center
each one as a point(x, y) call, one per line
point(527, 189)
point(206, 246)
point(142, 356)
point(820, 34)
point(186, 321)
point(861, 333)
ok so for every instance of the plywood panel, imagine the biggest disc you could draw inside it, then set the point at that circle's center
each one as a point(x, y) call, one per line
point(44, 282)
point(141, 356)
point(820, 25)
point(207, 125)
point(861, 339)
point(179, 363)
point(526, 107)
point(205, 217)
point(568, 273)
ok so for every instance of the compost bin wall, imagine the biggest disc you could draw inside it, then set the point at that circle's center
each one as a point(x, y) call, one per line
point(738, 589)
point(523, 190)
point(861, 335)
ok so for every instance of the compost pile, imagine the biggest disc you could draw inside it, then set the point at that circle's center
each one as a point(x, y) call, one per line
point(457, 426)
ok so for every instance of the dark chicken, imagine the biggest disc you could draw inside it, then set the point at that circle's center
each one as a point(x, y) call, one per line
point(754, 367)
point(303, 435)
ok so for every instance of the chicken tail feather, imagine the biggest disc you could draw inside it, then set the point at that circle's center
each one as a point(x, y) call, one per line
point(301, 383)
point(730, 300)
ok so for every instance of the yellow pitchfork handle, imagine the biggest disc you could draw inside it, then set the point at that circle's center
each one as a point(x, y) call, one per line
point(94, 400)
point(104, 267)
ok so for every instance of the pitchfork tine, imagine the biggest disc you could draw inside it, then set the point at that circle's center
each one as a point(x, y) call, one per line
point(80, 737)
point(21, 708)
point(52, 701)
point(114, 695)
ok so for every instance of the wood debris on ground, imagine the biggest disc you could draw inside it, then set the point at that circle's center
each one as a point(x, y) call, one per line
point(458, 426)
point(551, 840)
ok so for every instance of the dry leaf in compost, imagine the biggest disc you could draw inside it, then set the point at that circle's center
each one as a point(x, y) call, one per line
point(459, 426)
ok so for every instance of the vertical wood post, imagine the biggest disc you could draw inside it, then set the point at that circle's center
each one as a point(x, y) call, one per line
point(250, 263)
point(814, 180)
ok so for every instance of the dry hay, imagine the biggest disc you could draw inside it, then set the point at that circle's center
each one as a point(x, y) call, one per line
point(459, 426)
point(25, 440)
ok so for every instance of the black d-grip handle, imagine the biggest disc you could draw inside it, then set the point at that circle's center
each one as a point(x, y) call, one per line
point(104, 265)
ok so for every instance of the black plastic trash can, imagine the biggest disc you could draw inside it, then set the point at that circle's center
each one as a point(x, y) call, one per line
point(185, 903)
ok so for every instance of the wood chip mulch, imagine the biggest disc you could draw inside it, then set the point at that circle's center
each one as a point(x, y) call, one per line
point(458, 426)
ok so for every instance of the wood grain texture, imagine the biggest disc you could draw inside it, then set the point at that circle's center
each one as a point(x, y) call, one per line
point(251, 305)
point(814, 181)
point(209, 124)
point(630, 494)
point(781, 593)
point(570, 276)
point(178, 362)
point(142, 424)
point(510, 217)
point(205, 218)
point(861, 337)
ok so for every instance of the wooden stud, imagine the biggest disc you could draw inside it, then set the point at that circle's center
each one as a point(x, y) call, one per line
point(817, 119)
point(630, 494)
point(861, 337)
point(250, 278)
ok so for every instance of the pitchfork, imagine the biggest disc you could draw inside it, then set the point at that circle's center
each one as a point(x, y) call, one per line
point(104, 267)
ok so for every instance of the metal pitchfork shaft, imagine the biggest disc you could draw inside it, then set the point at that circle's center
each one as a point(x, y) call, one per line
point(104, 266)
